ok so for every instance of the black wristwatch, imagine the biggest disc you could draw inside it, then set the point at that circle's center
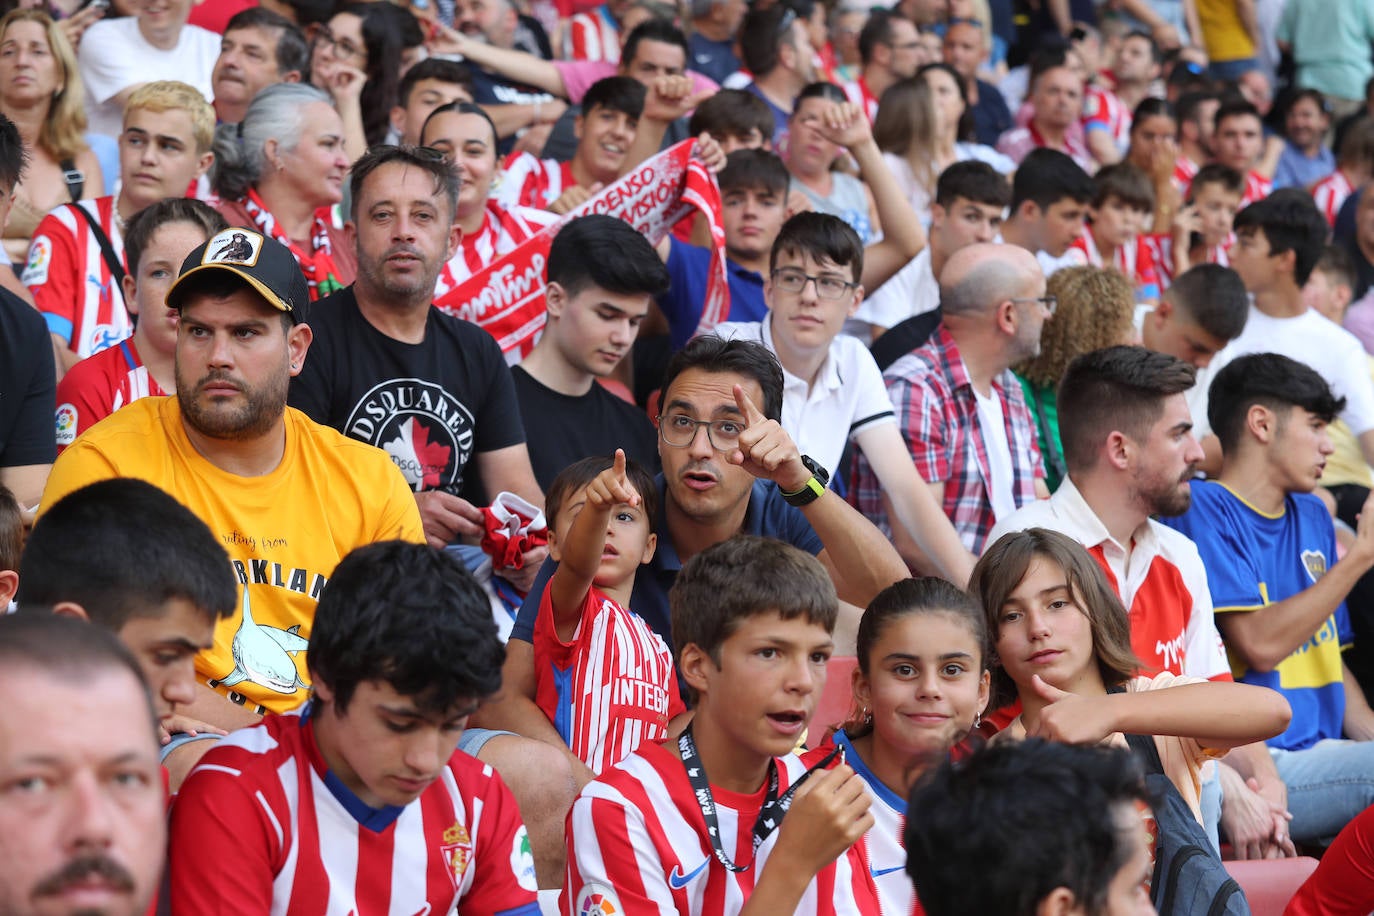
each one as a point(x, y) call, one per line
point(815, 487)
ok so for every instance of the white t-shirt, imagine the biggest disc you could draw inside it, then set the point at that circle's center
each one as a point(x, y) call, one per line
point(847, 397)
point(114, 56)
point(913, 290)
point(994, 426)
point(1335, 353)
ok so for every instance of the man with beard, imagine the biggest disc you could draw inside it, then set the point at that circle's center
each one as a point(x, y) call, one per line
point(1130, 451)
point(82, 826)
point(959, 408)
point(286, 497)
point(390, 369)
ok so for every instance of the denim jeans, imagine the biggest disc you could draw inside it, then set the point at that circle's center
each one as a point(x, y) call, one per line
point(1328, 784)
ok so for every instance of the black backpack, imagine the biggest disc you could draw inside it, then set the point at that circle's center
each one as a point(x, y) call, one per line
point(1189, 879)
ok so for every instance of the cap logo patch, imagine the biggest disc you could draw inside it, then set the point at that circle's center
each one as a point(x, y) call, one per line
point(233, 246)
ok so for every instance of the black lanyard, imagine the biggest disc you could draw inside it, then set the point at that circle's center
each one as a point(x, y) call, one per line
point(770, 815)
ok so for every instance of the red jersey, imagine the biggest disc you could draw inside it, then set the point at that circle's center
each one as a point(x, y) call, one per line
point(263, 826)
point(1184, 170)
point(1257, 188)
point(528, 181)
point(637, 843)
point(70, 281)
point(1162, 250)
point(98, 386)
point(610, 688)
point(503, 230)
point(1135, 259)
point(593, 35)
point(1103, 110)
point(1331, 193)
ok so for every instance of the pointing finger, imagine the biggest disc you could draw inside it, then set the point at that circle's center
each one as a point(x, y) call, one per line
point(752, 414)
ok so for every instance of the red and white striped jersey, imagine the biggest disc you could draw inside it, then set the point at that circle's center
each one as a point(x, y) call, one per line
point(263, 826)
point(637, 843)
point(528, 181)
point(1184, 170)
point(1162, 250)
point(857, 91)
point(70, 281)
point(592, 35)
point(503, 230)
point(1135, 260)
point(609, 689)
point(98, 386)
point(1257, 188)
point(1019, 141)
point(1104, 110)
point(886, 854)
point(1331, 193)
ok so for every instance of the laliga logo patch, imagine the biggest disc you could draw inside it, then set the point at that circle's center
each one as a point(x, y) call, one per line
point(233, 246)
point(597, 900)
point(66, 424)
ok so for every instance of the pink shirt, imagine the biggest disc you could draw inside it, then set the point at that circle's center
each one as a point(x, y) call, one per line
point(578, 76)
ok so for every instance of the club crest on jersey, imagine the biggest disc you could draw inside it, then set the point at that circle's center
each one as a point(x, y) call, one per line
point(1314, 561)
point(233, 246)
point(457, 852)
point(597, 900)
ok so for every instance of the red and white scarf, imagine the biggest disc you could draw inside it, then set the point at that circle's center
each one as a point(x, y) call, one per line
point(321, 273)
point(507, 296)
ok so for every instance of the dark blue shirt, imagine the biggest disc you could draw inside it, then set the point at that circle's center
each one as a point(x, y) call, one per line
point(991, 116)
point(715, 59)
point(689, 266)
point(767, 515)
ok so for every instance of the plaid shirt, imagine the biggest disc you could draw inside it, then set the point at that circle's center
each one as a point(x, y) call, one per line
point(938, 415)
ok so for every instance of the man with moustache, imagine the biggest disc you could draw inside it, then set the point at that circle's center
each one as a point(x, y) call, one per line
point(259, 49)
point(82, 826)
point(287, 498)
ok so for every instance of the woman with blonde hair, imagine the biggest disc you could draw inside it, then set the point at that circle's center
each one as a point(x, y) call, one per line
point(1095, 309)
point(41, 92)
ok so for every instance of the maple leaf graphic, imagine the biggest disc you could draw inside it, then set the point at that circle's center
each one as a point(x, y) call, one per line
point(423, 462)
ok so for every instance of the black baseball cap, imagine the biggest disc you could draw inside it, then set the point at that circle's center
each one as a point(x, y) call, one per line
point(263, 263)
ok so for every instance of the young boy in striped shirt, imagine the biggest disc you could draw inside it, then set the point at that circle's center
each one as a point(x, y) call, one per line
point(727, 819)
point(602, 675)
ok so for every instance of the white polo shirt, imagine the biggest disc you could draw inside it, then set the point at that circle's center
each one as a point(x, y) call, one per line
point(848, 397)
point(1159, 577)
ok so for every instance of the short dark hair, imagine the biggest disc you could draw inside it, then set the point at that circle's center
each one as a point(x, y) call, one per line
point(761, 36)
point(423, 158)
point(1117, 388)
point(139, 232)
point(1336, 263)
point(746, 576)
point(1357, 146)
point(1154, 107)
point(1047, 176)
point(292, 53)
point(601, 250)
point(1155, 53)
point(1235, 107)
point(70, 648)
point(623, 94)
point(653, 29)
point(1189, 105)
point(1268, 379)
point(732, 113)
point(409, 615)
point(1127, 183)
point(1231, 181)
point(876, 31)
point(1294, 96)
point(1214, 297)
point(747, 169)
point(974, 181)
point(441, 69)
point(1290, 221)
point(1046, 58)
point(121, 549)
point(1001, 829)
point(580, 473)
point(820, 235)
point(14, 158)
point(748, 358)
point(11, 530)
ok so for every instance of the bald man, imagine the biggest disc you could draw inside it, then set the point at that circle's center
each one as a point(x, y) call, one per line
point(959, 407)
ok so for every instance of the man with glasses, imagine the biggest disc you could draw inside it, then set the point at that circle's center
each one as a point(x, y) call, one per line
point(888, 49)
point(958, 406)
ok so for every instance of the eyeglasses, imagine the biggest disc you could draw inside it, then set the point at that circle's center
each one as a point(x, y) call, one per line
point(344, 49)
point(1049, 302)
point(680, 431)
point(794, 281)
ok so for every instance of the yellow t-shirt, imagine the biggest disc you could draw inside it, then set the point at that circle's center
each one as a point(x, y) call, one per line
point(284, 532)
point(1223, 34)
